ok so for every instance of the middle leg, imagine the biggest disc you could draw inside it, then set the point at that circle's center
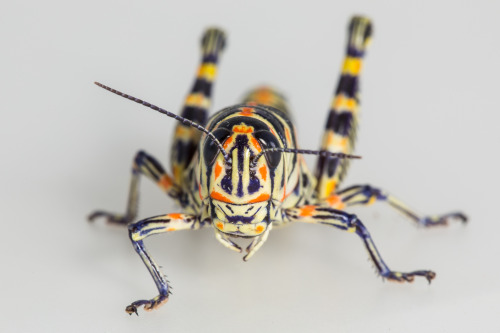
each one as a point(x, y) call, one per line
point(148, 166)
point(367, 195)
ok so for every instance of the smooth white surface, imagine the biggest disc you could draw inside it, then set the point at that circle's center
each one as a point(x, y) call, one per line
point(429, 134)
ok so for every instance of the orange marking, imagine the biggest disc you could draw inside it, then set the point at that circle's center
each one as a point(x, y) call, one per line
point(228, 142)
point(259, 229)
point(255, 144)
point(175, 216)
point(220, 197)
point(287, 134)
point(263, 172)
point(197, 100)
point(199, 192)
point(151, 307)
point(335, 201)
point(220, 225)
point(307, 211)
point(218, 169)
point(335, 141)
point(260, 198)
point(342, 103)
point(343, 143)
point(264, 96)
point(242, 128)
point(272, 131)
point(165, 182)
point(170, 229)
point(182, 131)
point(284, 192)
point(330, 138)
point(286, 196)
point(246, 112)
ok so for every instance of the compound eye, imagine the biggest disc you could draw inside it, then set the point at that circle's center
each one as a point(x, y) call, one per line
point(210, 150)
point(268, 140)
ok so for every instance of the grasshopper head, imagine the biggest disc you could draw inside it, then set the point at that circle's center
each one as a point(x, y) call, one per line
point(241, 187)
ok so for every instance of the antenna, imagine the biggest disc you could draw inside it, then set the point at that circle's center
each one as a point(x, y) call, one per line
point(171, 115)
point(323, 153)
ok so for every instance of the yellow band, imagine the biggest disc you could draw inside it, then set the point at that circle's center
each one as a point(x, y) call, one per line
point(351, 66)
point(207, 71)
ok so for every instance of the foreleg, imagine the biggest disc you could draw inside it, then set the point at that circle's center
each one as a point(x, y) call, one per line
point(155, 225)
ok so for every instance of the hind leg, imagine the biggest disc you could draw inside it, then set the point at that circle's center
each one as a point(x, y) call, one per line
point(340, 130)
point(197, 104)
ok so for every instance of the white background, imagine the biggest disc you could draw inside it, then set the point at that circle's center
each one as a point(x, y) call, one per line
point(429, 124)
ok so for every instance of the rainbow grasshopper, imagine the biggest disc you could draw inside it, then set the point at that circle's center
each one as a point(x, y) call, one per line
point(240, 171)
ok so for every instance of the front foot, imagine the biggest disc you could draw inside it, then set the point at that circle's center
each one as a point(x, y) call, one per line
point(441, 220)
point(109, 217)
point(149, 305)
point(409, 277)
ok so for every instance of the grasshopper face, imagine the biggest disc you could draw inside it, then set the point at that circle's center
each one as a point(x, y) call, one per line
point(240, 189)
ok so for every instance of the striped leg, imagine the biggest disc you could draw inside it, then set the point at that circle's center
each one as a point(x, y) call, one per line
point(344, 221)
point(144, 164)
point(155, 225)
point(197, 104)
point(366, 195)
point(340, 131)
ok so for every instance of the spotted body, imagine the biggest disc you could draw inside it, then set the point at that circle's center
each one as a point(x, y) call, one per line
point(242, 173)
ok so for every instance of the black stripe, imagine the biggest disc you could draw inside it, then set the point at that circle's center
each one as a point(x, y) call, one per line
point(331, 166)
point(257, 124)
point(142, 159)
point(348, 85)
point(184, 151)
point(354, 52)
point(241, 143)
point(220, 115)
point(202, 86)
point(277, 125)
point(196, 114)
point(210, 57)
point(340, 122)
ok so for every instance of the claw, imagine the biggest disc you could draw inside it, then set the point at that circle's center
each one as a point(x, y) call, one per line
point(149, 305)
point(131, 309)
point(409, 277)
point(430, 276)
point(459, 216)
point(432, 221)
point(94, 215)
point(110, 217)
